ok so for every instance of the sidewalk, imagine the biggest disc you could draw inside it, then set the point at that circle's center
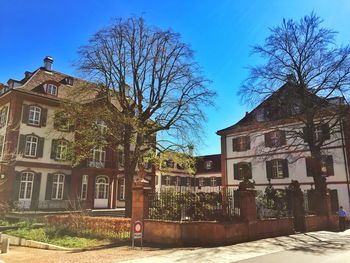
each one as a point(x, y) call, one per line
point(313, 242)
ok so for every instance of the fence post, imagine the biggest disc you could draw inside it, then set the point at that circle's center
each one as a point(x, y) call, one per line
point(140, 202)
point(247, 205)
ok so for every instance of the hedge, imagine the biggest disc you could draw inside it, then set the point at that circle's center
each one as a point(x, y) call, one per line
point(93, 226)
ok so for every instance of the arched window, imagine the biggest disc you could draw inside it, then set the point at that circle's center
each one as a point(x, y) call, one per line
point(26, 186)
point(51, 89)
point(101, 187)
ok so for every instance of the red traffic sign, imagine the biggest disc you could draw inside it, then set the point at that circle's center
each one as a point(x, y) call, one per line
point(138, 229)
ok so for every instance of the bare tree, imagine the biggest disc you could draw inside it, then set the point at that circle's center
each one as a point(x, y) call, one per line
point(151, 77)
point(304, 55)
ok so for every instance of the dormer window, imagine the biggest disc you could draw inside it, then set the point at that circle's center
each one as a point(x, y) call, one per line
point(208, 165)
point(68, 81)
point(51, 89)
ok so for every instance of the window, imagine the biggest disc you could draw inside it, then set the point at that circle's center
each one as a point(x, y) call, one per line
point(178, 181)
point(101, 126)
point(57, 186)
point(31, 146)
point(277, 168)
point(241, 143)
point(101, 188)
point(26, 186)
point(84, 187)
point(122, 189)
point(61, 150)
point(121, 159)
point(201, 182)
point(167, 180)
point(275, 138)
point(34, 115)
point(51, 89)
point(213, 182)
point(98, 158)
point(208, 165)
point(3, 116)
point(324, 166)
point(242, 170)
point(321, 132)
point(1, 145)
point(168, 164)
point(69, 81)
point(188, 181)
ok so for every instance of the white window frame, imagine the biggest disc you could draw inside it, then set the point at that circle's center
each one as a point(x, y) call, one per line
point(61, 150)
point(101, 187)
point(51, 89)
point(98, 158)
point(122, 189)
point(34, 115)
point(84, 187)
point(213, 182)
point(167, 180)
point(31, 146)
point(26, 186)
point(318, 133)
point(277, 169)
point(208, 165)
point(57, 186)
point(101, 126)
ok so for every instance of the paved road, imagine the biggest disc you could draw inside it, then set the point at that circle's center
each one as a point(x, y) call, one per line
point(314, 247)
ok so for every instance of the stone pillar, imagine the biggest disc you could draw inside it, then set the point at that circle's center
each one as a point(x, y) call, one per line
point(5, 245)
point(140, 200)
point(247, 205)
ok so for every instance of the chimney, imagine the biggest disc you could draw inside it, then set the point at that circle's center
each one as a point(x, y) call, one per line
point(48, 63)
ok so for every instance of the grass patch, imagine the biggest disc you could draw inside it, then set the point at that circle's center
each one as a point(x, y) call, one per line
point(4, 223)
point(49, 235)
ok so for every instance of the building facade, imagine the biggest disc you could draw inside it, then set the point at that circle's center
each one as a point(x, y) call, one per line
point(260, 148)
point(35, 171)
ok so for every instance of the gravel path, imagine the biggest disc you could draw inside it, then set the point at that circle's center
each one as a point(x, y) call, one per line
point(28, 255)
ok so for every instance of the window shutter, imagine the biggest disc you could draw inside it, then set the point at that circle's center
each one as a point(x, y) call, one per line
point(53, 149)
point(207, 181)
point(305, 134)
point(172, 180)
point(197, 182)
point(247, 138)
point(268, 169)
point(25, 113)
point(21, 144)
point(16, 184)
point(325, 131)
point(235, 171)
point(49, 186)
point(40, 149)
point(334, 200)
point(285, 168)
point(67, 187)
point(218, 181)
point(249, 167)
point(235, 144)
point(329, 164)
point(43, 117)
point(267, 139)
point(36, 190)
point(312, 167)
point(193, 181)
point(283, 138)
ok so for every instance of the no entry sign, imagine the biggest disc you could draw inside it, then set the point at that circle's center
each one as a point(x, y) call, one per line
point(138, 229)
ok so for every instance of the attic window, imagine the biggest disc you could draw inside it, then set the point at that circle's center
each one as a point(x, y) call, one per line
point(68, 81)
point(51, 89)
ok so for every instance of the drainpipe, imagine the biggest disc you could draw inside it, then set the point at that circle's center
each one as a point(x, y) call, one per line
point(345, 158)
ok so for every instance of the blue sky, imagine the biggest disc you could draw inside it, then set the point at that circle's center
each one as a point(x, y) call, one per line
point(221, 33)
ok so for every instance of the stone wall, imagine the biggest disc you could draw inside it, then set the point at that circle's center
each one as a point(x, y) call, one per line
point(213, 233)
point(316, 223)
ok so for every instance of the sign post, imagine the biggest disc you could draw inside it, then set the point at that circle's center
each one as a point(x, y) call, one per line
point(137, 231)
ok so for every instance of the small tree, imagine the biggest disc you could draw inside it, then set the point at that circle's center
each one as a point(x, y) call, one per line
point(305, 55)
point(151, 86)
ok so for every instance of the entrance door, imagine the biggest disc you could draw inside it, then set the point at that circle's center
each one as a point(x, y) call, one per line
point(101, 192)
point(25, 190)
